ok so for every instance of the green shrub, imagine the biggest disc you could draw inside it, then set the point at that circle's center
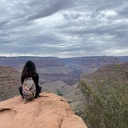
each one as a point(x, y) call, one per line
point(59, 93)
point(106, 104)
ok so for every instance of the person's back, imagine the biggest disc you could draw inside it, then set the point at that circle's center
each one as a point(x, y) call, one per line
point(28, 89)
point(29, 71)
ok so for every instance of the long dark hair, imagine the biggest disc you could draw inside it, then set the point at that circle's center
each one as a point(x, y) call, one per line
point(29, 69)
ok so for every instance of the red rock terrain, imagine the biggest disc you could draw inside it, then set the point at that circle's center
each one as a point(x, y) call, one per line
point(9, 82)
point(47, 111)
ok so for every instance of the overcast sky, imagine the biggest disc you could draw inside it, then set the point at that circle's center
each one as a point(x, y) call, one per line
point(64, 28)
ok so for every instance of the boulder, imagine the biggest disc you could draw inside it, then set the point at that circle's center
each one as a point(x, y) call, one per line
point(47, 111)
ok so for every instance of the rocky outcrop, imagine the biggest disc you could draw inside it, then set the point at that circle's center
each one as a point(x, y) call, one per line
point(9, 82)
point(72, 94)
point(47, 111)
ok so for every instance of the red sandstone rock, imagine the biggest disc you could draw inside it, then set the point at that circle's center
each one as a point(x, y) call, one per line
point(47, 111)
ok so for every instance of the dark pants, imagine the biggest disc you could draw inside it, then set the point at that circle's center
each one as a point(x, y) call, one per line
point(38, 91)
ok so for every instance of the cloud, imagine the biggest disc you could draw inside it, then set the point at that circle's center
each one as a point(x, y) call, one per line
point(123, 12)
point(47, 9)
point(64, 28)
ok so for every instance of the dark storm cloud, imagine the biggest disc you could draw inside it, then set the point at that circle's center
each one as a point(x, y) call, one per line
point(123, 12)
point(48, 8)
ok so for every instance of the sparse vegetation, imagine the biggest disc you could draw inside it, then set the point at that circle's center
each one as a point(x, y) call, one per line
point(59, 93)
point(106, 104)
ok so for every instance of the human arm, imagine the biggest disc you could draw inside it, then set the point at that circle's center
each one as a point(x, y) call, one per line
point(22, 80)
point(36, 79)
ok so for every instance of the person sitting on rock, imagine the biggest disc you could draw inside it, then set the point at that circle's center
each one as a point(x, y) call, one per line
point(29, 70)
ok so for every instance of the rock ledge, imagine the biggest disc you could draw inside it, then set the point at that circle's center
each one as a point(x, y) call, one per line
point(47, 111)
